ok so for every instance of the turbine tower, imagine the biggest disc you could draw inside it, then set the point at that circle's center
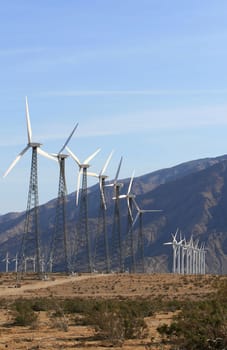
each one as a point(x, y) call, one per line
point(83, 239)
point(117, 260)
point(31, 236)
point(140, 246)
point(101, 245)
point(60, 236)
point(129, 196)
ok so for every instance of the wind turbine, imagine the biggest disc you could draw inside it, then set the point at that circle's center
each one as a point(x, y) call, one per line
point(60, 236)
point(129, 196)
point(16, 262)
point(175, 247)
point(184, 249)
point(7, 262)
point(195, 257)
point(101, 240)
point(83, 234)
point(31, 236)
point(139, 215)
point(179, 254)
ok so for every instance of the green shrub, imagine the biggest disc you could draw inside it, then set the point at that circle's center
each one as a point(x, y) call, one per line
point(23, 313)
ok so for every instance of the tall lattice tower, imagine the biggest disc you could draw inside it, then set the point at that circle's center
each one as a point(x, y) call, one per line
point(139, 254)
point(101, 256)
point(83, 255)
point(117, 257)
point(60, 239)
point(30, 244)
point(129, 238)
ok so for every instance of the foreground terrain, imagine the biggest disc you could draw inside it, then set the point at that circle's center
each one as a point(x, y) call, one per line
point(80, 311)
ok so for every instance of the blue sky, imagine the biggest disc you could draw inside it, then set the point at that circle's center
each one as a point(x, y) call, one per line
point(143, 77)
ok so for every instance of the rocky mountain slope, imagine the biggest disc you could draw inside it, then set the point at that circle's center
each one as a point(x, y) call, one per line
point(192, 196)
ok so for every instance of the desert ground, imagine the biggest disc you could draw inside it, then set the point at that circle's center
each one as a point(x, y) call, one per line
point(50, 334)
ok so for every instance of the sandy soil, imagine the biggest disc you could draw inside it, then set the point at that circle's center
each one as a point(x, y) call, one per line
point(48, 334)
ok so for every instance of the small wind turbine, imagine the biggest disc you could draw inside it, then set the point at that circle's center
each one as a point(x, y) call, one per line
point(7, 262)
point(60, 236)
point(83, 210)
point(16, 262)
point(101, 240)
point(31, 236)
point(139, 216)
point(175, 247)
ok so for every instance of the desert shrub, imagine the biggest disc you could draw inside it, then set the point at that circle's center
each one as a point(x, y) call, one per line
point(42, 304)
point(23, 313)
point(117, 320)
point(199, 326)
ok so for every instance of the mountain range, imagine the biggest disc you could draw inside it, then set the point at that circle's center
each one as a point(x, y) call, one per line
point(192, 197)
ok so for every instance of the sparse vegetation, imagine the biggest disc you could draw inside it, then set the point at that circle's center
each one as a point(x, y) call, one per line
point(24, 314)
point(200, 325)
point(114, 318)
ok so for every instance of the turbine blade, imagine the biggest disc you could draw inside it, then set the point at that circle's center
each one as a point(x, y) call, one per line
point(92, 174)
point(130, 183)
point(151, 210)
point(129, 208)
point(136, 205)
point(29, 129)
point(118, 170)
point(78, 187)
point(102, 194)
point(68, 139)
point(87, 160)
point(122, 196)
point(46, 155)
point(135, 220)
point(107, 163)
point(73, 156)
point(16, 160)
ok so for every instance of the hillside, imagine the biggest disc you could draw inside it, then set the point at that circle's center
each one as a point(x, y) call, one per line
point(192, 196)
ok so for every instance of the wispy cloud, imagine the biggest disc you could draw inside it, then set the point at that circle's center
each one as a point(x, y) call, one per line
point(152, 92)
point(139, 122)
point(145, 122)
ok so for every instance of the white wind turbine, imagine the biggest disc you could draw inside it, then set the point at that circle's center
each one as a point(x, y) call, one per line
point(101, 241)
point(139, 215)
point(184, 249)
point(16, 262)
point(175, 247)
point(31, 230)
point(179, 253)
point(83, 215)
point(7, 261)
point(195, 257)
